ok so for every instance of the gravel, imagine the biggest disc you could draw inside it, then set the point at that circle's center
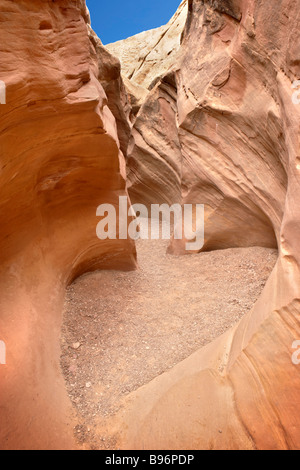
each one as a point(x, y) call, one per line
point(121, 330)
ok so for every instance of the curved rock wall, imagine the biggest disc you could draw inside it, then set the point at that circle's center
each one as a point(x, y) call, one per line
point(211, 131)
point(218, 127)
point(238, 134)
point(60, 159)
point(146, 56)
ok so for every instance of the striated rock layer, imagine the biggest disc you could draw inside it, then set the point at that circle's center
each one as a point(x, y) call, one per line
point(60, 159)
point(217, 125)
point(146, 56)
point(211, 130)
point(221, 128)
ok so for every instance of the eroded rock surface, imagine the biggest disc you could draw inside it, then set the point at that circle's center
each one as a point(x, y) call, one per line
point(211, 130)
point(146, 56)
point(60, 159)
point(215, 125)
point(221, 128)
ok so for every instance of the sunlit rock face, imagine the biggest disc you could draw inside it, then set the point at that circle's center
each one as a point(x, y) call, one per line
point(211, 129)
point(145, 61)
point(230, 125)
point(146, 56)
point(221, 128)
point(215, 125)
point(60, 159)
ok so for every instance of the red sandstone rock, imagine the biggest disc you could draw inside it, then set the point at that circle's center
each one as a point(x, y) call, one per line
point(211, 131)
point(60, 159)
point(148, 55)
point(218, 128)
point(238, 135)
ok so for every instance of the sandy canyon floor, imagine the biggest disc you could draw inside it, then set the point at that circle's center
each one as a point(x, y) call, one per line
point(121, 330)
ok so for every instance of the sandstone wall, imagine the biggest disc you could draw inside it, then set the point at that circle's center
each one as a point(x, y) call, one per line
point(212, 131)
point(147, 55)
point(59, 159)
point(220, 128)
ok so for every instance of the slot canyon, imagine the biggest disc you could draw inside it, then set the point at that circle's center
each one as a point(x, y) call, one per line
point(123, 344)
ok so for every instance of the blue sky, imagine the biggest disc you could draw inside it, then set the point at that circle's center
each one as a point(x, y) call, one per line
point(118, 19)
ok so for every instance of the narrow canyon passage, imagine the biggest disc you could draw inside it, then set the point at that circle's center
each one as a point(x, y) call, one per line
point(121, 330)
point(185, 353)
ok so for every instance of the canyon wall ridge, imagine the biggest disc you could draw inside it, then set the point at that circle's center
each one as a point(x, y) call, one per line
point(198, 111)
